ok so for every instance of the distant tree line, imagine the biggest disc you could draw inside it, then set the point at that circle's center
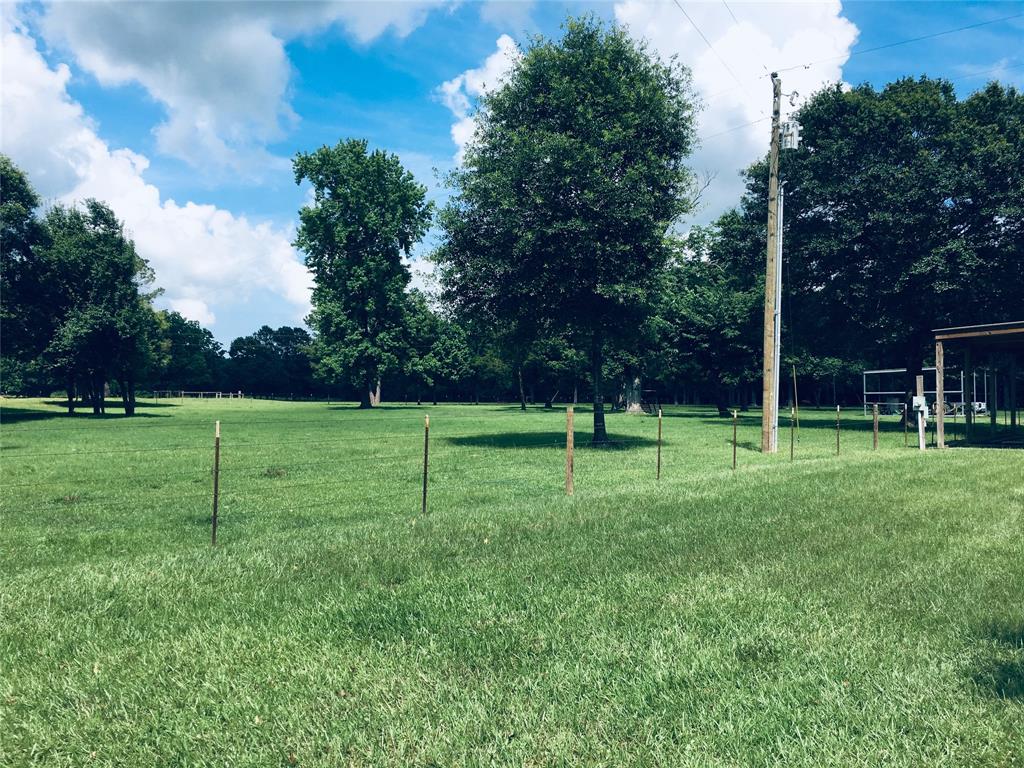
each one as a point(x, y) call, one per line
point(565, 270)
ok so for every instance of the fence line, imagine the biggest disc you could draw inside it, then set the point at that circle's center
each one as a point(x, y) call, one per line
point(375, 470)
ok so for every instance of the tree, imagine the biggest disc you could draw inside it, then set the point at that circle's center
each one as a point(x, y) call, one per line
point(367, 213)
point(574, 176)
point(26, 306)
point(188, 356)
point(104, 321)
point(272, 362)
point(710, 307)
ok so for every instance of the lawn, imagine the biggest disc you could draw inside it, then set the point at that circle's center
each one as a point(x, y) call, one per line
point(866, 609)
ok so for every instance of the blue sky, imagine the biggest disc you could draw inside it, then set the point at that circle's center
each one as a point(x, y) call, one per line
point(184, 115)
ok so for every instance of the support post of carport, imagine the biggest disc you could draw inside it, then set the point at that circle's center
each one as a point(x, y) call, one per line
point(993, 407)
point(969, 406)
point(940, 396)
point(1011, 401)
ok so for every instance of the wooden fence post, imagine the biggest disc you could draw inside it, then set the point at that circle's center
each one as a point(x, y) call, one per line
point(426, 455)
point(658, 475)
point(569, 445)
point(921, 428)
point(874, 427)
point(837, 430)
point(735, 413)
point(216, 482)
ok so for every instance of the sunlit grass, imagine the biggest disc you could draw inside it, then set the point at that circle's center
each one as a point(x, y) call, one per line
point(864, 609)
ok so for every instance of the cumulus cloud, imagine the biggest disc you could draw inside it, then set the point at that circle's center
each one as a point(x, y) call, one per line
point(516, 14)
point(461, 92)
point(203, 256)
point(761, 38)
point(220, 68)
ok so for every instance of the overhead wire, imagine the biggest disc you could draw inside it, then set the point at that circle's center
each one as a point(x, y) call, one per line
point(712, 48)
point(897, 43)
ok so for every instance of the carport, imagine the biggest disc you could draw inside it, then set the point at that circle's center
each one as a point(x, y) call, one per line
point(1001, 346)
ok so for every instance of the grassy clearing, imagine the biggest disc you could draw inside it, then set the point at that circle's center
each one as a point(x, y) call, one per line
point(864, 610)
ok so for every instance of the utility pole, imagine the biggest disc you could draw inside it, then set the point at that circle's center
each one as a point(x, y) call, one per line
point(769, 385)
point(777, 318)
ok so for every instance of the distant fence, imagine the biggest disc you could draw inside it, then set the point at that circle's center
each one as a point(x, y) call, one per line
point(181, 394)
point(386, 465)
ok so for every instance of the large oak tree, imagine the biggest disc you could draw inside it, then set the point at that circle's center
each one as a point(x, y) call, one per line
point(367, 212)
point(576, 171)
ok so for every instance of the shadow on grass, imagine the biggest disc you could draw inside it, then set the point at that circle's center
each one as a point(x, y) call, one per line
point(984, 436)
point(745, 445)
point(552, 439)
point(9, 415)
point(999, 671)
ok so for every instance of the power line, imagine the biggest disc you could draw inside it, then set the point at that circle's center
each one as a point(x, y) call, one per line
point(710, 46)
point(730, 12)
point(737, 127)
point(986, 72)
point(886, 46)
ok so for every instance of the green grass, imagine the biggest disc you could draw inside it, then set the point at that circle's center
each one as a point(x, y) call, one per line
point(860, 610)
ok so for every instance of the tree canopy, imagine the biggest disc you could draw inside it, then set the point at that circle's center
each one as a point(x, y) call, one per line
point(367, 213)
point(575, 173)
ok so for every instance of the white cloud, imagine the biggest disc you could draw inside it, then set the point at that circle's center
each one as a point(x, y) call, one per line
point(516, 14)
point(460, 93)
point(766, 37)
point(219, 68)
point(198, 251)
point(193, 309)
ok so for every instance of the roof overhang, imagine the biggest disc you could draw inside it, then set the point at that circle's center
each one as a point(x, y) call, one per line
point(992, 335)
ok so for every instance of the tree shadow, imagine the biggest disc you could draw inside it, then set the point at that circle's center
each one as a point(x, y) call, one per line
point(999, 670)
point(14, 415)
point(984, 436)
point(552, 439)
point(745, 445)
point(354, 407)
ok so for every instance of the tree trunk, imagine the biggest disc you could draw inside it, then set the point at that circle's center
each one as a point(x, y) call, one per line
point(376, 394)
point(910, 384)
point(522, 394)
point(366, 395)
point(97, 393)
point(129, 407)
point(597, 361)
point(550, 401)
point(123, 386)
point(633, 395)
point(71, 396)
point(722, 400)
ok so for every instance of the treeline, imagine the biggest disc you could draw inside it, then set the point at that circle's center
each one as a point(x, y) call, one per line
point(563, 269)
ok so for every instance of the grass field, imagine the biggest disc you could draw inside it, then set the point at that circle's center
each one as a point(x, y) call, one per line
point(860, 610)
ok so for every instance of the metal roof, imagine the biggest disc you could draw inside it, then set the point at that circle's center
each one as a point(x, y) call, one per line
point(977, 332)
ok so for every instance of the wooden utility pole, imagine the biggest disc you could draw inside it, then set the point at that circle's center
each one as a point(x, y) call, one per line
point(769, 388)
